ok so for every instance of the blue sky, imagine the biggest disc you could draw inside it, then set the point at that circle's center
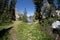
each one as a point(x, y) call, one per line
point(28, 4)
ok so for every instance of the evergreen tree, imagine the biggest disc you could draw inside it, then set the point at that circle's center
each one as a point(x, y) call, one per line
point(38, 5)
point(7, 11)
point(1, 4)
point(58, 1)
point(3, 10)
point(25, 15)
point(12, 9)
point(45, 24)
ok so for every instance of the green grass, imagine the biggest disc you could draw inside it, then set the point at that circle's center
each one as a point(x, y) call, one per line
point(30, 32)
point(5, 25)
point(7, 34)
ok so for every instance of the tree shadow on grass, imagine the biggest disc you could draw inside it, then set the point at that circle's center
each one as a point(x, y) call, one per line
point(4, 32)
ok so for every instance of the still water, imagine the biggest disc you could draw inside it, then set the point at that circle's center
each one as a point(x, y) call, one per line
point(30, 20)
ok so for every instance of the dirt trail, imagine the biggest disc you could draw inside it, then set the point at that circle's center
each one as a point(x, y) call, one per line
point(13, 30)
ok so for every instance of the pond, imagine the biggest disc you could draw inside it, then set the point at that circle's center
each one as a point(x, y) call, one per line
point(30, 20)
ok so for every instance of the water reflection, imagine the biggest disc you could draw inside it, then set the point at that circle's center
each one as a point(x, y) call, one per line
point(30, 20)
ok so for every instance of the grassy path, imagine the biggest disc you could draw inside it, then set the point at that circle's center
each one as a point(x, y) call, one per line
point(25, 31)
point(30, 32)
point(13, 30)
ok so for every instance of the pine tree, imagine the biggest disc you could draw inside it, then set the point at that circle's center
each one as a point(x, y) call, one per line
point(1, 2)
point(5, 14)
point(12, 9)
point(38, 5)
point(3, 10)
point(58, 1)
point(25, 15)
